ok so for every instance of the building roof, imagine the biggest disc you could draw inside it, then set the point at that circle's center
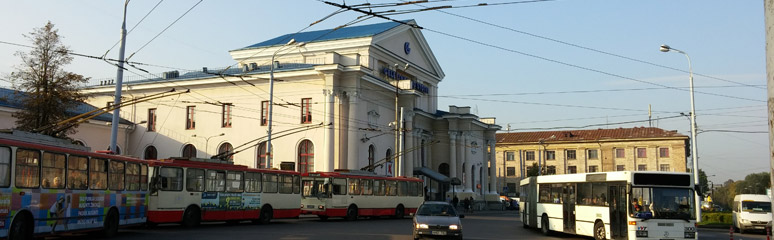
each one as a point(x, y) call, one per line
point(328, 34)
point(587, 135)
point(13, 99)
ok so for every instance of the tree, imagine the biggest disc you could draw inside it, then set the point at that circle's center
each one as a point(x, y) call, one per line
point(755, 183)
point(533, 171)
point(703, 183)
point(49, 91)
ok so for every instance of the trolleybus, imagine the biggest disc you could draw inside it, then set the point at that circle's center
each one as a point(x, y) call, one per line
point(49, 186)
point(611, 205)
point(190, 191)
point(352, 194)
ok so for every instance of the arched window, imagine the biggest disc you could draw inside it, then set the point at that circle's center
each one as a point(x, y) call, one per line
point(79, 143)
point(444, 169)
point(151, 153)
point(389, 155)
point(262, 157)
point(226, 148)
point(189, 151)
point(305, 157)
point(371, 155)
point(117, 151)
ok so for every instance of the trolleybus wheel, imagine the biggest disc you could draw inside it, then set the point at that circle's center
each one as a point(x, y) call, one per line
point(544, 225)
point(110, 227)
point(266, 213)
point(400, 212)
point(351, 213)
point(599, 231)
point(21, 228)
point(191, 217)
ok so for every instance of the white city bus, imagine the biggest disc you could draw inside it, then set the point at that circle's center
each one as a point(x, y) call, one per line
point(191, 191)
point(355, 194)
point(611, 205)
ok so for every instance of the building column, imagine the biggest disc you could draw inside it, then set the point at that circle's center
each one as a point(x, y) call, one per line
point(467, 163)
point(353, 145)
point(452, 154)
point(493, 167)
point(408, 130)
point(330, 144)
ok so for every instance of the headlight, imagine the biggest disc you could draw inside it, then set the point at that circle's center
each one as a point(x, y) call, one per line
point(422, 226)
point(453, 227)
point(743, 220)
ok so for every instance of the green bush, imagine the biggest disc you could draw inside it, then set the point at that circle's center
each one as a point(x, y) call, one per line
point(716, 217)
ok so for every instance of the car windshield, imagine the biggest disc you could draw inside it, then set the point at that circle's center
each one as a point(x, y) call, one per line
point(316, 187)
point(662, 203)
point(436, 210)
point(750, 206)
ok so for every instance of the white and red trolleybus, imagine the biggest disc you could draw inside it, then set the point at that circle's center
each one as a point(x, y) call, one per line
point(351, 194)
point(49, 186)
point(189, 191)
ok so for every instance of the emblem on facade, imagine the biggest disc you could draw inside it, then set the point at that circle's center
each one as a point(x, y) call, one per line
point(473, 147)
point(406, 48)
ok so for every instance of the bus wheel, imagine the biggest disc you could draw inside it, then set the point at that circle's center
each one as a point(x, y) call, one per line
point(266, 213)
point(322, 217)
point(400, 212)
point(191, 217)
point(351, 213)
point(110, 227)
point(544, 225)
point(599, 231)
point(21, 228)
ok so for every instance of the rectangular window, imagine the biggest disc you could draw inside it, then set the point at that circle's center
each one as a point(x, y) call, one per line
point(171, 179)
point(592, 168)
point(306, 110)
point(216, 181)
point(572, 169)
point(663, 152)
point(511, 187)
point(366, 187)
point(194, 180)
point(296, 184)
point(392, 188)
point(551, 155)
point(620, 153)
point(619, 167)
point(27, 168)
point(641, 153)
point(143, 177)
point(354, 186)
point(234, 182)
point(413, 190)
point(379, 187)
point(571, 155)
point(226, 115)
point(642, 167)
point(5, 166)
point(253, 182)
point(599, 191)
point(270, 183)
point(77, 170)
point(287, 184)
point(510, 156)
point(132, 176)
point(529, 155)
point(190, 122)
point(402, 188)
point(544, 193)
point(264, 113)
point(551, 170)
point(584, 193)
point(593, 154)
point(98, 173)
point(53, 170)
point(510, 171)
point(664, 167)
point(116, 181)
point(339, 186)
point(151, 120)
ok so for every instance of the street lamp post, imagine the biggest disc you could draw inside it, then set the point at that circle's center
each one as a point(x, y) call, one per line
point(207, 140)
point(271, 99)
point(694, 157)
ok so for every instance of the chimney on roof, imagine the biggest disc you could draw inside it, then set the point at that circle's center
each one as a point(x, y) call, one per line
point(204, 69)
point(171, 74)
point(253, 66)
point(245, 68)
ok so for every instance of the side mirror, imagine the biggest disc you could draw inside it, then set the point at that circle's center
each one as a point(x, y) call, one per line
point(462, 215)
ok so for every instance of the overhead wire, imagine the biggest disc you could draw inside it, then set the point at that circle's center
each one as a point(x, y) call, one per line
point(165, 29)
point(135, 26)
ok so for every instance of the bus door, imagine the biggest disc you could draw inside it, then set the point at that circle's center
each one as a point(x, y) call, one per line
point(618, 227)
point(568, 208)
point(530, 205)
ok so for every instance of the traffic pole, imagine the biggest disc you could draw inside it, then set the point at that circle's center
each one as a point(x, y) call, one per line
point(731, 232)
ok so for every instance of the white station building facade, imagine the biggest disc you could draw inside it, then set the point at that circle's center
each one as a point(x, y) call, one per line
point(334, 95)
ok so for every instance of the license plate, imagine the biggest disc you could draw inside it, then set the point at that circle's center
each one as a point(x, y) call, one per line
point(439, 232)
point(310, 206)
point(758, 227)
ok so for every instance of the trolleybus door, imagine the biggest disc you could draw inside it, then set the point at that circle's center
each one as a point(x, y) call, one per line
point(530, 206)
point(568, 208)
point(617, 193)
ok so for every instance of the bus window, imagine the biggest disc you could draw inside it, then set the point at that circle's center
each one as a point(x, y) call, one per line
point(420, 189)
point(340, 186)
point(379, 187)
point(77, 170)
point(194, 180)
point(171, 179)
point(116, 175)
point(27, 166)
point(392, 188)
point(132, 176)
point(599, 192)
point(253, 182)
point(216, 181)
point(584, 193)
point(354, 186)
point(556, 193)
point(234, 182)
point(544, 193)
point(98, 173)
point(287, 184)
point(53, 170)
point(5, 167)
point(143, 177)
point(366, 187)
point(412, 189)
point(402, 188)
point(296, 184)
point(270, 183)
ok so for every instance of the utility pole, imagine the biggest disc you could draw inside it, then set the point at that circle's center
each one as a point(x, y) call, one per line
point(119, 80)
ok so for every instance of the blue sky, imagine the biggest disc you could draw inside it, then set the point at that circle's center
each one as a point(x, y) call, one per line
point(545, 51)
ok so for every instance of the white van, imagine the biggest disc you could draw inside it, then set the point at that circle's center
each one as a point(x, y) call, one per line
point(751, 212)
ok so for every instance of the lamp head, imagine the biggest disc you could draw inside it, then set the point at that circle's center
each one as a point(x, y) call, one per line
point(292, 41)
point(221, 134)
point(301, 44)
point(193, 135)
point(665, 48)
